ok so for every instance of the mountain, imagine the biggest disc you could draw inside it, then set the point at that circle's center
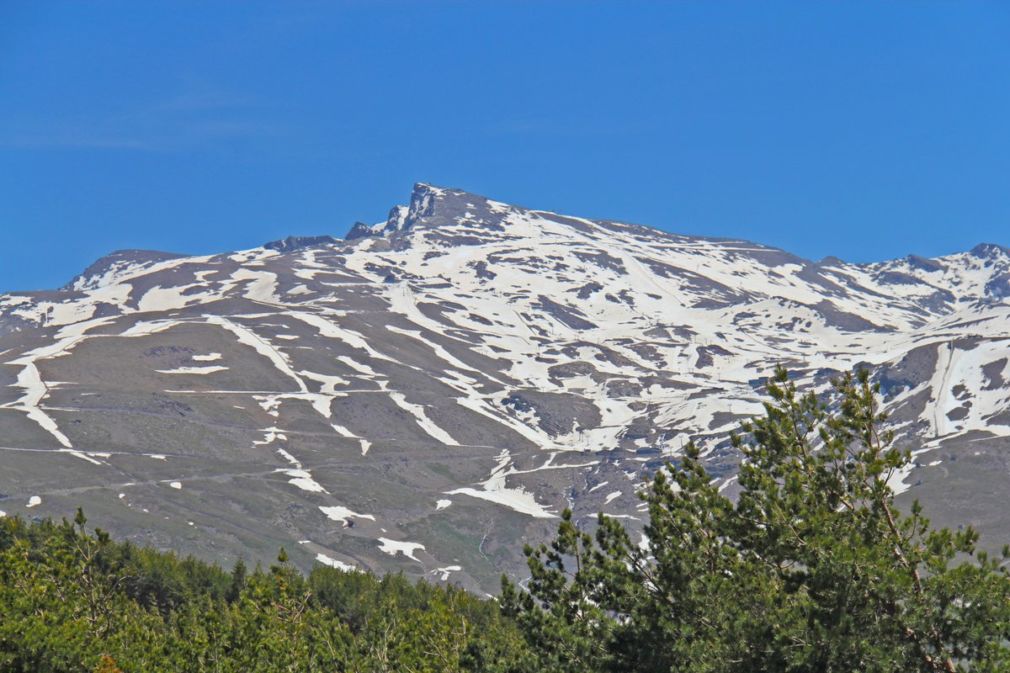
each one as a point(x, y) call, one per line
point(429, 393)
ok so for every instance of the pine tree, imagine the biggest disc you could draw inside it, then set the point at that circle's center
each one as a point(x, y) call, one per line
point(813, 567)
point(238, 580)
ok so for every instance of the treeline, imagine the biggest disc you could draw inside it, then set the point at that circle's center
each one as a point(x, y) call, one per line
point(810, 568)
point(73, 600)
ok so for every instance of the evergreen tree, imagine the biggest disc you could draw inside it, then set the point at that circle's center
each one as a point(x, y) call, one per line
point(813, 568)
point(238, 579)
point(73, 600)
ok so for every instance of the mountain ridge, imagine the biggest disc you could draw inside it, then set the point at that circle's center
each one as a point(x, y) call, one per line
point(363, 230)
point(433, 391)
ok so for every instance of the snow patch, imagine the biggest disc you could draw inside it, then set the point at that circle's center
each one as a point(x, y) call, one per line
point(394, 547)
point(445, 572)
point(343, 514)
point(334, 563)
point(495, 490)
point(193, 370)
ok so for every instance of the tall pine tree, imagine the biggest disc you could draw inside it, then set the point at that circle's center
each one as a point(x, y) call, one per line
point(813, 568)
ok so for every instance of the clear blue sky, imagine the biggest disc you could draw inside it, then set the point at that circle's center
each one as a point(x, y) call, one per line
point(862, 130)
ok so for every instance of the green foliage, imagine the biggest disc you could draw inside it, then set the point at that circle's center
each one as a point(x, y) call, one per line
point(812, 568)
point(71, 600)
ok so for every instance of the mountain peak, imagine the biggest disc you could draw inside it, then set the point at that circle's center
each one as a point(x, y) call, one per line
point(436, 205)
point(114, 262)
point(989, 250)
point(480, 345)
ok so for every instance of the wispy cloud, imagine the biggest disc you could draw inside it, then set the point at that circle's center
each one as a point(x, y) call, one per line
point(573, 127)
point(82, 139)
point(199, 100)
point(188, 120)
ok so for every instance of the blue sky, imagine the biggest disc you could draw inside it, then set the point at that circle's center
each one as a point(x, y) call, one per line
point(862, 130)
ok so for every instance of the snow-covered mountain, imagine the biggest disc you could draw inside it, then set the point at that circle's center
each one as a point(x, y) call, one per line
point(430, 392)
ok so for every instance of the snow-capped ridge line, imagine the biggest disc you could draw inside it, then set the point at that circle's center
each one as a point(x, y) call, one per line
point(471, 366)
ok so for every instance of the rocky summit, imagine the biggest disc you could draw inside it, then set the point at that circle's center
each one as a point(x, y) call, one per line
point(430, 392)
